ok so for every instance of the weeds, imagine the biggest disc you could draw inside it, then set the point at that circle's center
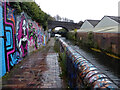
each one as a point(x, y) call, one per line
point(62, 62)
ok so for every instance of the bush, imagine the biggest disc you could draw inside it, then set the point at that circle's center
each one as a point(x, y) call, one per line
point(71, 36)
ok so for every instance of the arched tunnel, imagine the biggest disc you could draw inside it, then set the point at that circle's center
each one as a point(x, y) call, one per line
point(62, 31)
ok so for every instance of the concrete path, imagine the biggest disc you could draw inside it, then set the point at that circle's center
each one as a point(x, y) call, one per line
point(39, 70)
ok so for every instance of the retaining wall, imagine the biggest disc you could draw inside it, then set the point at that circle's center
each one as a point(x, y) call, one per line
point(19, 36)
point(109, 42)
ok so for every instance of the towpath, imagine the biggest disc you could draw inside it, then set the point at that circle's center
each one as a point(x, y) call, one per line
point(39, 70)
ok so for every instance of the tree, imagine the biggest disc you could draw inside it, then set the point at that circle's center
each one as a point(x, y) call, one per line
point(34, 11)
point(72, 21)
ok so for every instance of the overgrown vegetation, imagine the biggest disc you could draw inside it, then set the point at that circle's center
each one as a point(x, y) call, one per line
point(34, 11)
point(71, 36)
point(62, 32)
point(63, 64)
point(57, 46)
point(88, 42)
point(62, 60)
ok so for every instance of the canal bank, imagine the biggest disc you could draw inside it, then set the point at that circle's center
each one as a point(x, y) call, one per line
point(65, 45)
point(108, 63)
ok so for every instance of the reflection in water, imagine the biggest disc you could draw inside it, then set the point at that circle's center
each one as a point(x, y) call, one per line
point(110, 63)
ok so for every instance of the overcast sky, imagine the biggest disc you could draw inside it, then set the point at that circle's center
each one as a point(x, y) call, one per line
point(78, 10)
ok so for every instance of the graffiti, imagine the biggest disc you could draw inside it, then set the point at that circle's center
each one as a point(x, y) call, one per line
point(78, 66)
point(9, 21)
point(22, 37)
point(7, 41)
point(17, 39)
point(42, 38)
point(2, 43)
point(39, 37)
point(32, 35)
point(15, 58)
point(9, 13)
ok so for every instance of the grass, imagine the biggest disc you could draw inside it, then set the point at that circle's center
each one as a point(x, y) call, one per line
point(62, 63)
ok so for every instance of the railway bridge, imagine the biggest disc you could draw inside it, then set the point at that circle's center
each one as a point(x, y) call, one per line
point(66, 25)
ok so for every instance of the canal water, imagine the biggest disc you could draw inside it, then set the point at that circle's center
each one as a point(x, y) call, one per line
point(106, 64)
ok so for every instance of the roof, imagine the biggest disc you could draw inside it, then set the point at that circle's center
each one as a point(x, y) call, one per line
point(93, 22)
point(80, 23)
point(112, 29)
point(115, 18)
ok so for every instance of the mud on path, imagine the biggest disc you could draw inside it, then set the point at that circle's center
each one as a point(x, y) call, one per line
point(40, 70)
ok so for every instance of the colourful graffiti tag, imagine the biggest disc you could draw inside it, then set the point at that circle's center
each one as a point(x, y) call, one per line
point(16, 38)
point(22, 36)
point(39, 37)
point(2, 43)
point(10, 48)
point(32, 35)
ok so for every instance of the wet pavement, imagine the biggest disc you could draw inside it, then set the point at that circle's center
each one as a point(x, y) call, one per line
point(39, 70)
point(51, 76)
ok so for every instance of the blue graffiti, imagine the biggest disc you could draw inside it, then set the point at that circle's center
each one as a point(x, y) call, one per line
point(2, 48)
point(15, 58)
point(9, 42)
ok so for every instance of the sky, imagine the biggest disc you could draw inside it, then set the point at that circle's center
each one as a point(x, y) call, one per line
point(80, 10)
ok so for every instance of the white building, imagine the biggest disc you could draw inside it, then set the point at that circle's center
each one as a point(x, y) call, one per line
point(89, 24)
point(108, 21)
point(108, 24)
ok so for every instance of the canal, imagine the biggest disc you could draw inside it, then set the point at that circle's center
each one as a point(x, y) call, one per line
point(106, 64)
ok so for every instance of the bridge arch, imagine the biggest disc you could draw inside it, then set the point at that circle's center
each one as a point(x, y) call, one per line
point(62, 31)
point(61, 27)
point(67, 25)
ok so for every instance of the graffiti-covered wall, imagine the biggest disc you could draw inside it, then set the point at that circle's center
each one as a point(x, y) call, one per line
point(34, 37)
point(11, 51)
point(19, 36)
point(2, 44)
point(22, 34)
